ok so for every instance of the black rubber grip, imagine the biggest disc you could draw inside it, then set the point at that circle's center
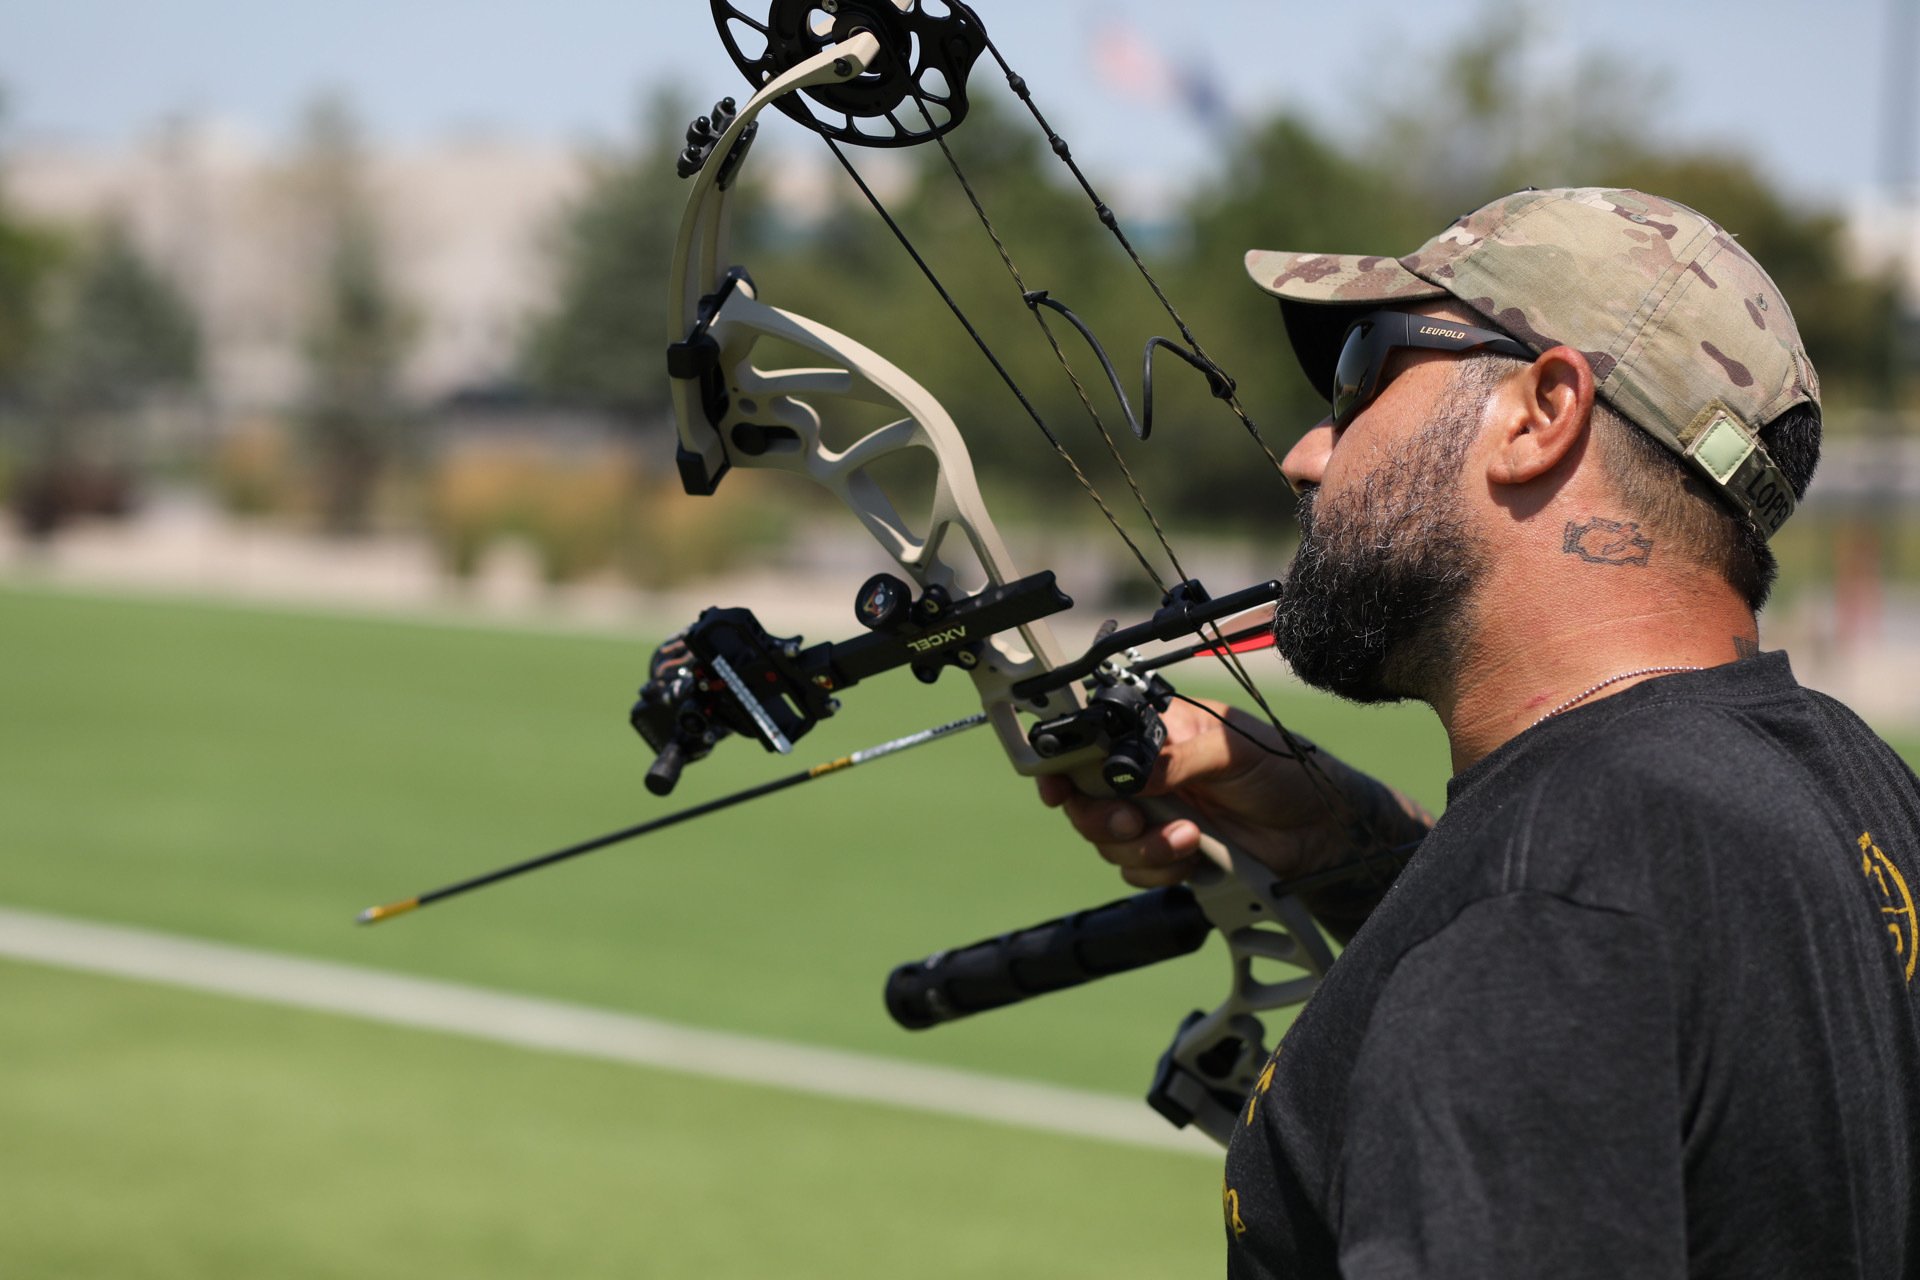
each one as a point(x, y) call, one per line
point(666, 769)
point(1145, 929)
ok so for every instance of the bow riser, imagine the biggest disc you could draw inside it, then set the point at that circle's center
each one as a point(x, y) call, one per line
point(859, 379)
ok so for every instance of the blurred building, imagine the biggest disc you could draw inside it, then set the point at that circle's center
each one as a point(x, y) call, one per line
point(1883, 227)
point(463, 222)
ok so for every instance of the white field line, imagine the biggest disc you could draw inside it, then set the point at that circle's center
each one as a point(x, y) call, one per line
point(558, 1027)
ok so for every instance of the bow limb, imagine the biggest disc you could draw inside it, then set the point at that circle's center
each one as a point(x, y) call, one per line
point(702, 243)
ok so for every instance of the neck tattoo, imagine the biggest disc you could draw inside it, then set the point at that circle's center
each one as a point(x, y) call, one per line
point(1579, 698)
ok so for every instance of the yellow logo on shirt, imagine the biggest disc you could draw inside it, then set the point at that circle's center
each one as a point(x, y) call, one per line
point(1260, 1086)
point(1897, 909)
point(1230, 1206)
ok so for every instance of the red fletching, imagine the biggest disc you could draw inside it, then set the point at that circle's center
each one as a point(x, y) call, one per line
point(1240, 644)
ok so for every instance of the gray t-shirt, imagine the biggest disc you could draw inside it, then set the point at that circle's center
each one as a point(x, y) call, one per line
point(1644, 1004)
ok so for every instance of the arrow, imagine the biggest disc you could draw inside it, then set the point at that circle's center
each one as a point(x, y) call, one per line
point(374, 915)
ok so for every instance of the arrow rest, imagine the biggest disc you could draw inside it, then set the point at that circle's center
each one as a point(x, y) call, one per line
point(1122, 719)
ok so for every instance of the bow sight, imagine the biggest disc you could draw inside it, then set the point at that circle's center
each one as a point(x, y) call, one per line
point(725, 673)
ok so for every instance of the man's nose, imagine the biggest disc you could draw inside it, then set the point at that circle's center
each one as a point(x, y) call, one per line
point(1306, 462)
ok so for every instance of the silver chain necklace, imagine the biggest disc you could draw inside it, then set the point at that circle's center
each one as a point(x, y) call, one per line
point(1579, 698)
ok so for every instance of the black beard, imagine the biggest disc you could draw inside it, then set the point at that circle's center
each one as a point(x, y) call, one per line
point(1376, 604)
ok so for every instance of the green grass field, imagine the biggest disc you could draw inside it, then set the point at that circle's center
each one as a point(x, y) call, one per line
point(258, 777)
point(155, 1133)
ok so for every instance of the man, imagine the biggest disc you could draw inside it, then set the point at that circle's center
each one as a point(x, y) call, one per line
point(1644, 1001)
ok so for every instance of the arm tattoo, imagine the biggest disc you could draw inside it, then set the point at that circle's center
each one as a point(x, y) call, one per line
point(1387, 829)
point(1604, 541)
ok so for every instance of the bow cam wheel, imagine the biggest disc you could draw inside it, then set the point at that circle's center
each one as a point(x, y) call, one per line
point(914, 91)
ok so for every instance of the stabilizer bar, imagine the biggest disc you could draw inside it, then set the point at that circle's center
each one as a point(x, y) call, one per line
point(1159, 924)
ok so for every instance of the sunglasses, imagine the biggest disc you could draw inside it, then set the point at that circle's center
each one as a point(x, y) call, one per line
point(1377, 335)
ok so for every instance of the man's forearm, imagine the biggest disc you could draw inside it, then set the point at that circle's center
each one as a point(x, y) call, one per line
point(1384, 830)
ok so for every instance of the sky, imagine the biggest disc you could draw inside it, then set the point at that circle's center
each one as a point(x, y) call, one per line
point(1800, 84)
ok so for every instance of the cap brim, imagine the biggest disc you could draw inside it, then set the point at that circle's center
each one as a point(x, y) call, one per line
point(1321, 293)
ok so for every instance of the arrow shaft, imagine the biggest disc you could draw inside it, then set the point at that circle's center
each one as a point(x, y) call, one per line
point(373, 915)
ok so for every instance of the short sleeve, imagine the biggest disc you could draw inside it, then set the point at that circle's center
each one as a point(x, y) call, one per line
point(1515, 1107)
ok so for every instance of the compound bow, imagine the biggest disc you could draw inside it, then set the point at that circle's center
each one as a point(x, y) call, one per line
point(894, 73)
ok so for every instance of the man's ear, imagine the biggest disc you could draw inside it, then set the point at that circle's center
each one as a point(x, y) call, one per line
point(1540, 415)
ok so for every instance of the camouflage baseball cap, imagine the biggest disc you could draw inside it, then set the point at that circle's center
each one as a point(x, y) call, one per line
point(1687, 335)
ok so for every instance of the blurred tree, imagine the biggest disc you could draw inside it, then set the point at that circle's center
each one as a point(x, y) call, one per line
point(114, 333)
point(602, 346)
point(124, 332)
point(846, 271)
point(1286, 187)
point(1849, 317)
point(29, 257)
point(1493, 116)
point(358, 331)
point(1048, 232)
point(1496, 113)
point(604, 342)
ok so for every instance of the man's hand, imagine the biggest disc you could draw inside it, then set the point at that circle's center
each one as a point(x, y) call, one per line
point(1235, 771)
